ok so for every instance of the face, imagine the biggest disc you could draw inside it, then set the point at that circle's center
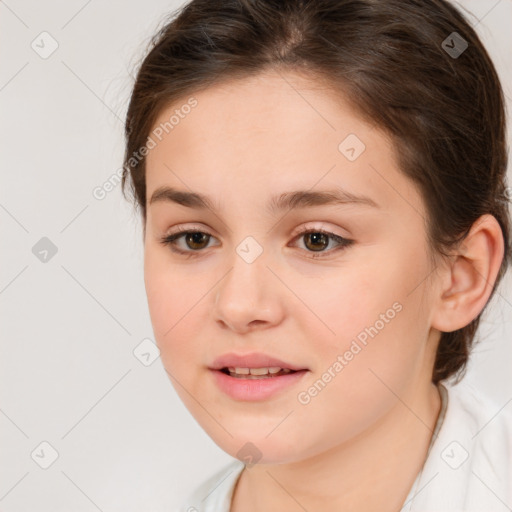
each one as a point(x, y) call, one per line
point(334, 286)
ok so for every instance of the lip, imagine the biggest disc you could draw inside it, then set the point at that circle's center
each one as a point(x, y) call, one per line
point(245, 389)
point(251, 360)
point(255, 389)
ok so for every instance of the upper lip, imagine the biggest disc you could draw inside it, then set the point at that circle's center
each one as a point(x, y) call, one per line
point(252, 360)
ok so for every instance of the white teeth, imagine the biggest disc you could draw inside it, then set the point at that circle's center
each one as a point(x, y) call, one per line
point(240, 371)
point(258, 371)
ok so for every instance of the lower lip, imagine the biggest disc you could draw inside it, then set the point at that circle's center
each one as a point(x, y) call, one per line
point(255, 389)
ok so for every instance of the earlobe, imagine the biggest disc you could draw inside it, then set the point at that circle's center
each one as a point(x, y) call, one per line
point(470, 276)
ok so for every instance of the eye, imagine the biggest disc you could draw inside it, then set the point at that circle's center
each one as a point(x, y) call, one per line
point(194, 238)
point(317, 240)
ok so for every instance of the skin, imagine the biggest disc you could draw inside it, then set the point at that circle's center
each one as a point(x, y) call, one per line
point(371, 425)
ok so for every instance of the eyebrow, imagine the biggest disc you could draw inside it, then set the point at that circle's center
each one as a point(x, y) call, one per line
point(286, 201)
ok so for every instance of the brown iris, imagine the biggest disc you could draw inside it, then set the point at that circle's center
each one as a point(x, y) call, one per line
point(196, 238)
point(317, 238)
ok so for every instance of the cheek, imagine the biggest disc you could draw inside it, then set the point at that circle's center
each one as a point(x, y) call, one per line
point(351, 304)
point(375, 318)
point(360, 371)
point(174, 302)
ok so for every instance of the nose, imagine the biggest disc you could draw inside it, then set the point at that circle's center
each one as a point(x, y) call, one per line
point(246, 298)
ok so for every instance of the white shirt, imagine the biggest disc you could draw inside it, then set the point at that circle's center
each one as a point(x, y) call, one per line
point(468, 466)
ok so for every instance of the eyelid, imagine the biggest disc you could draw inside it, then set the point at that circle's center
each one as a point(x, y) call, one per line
point(317, 227)
point(302, 229)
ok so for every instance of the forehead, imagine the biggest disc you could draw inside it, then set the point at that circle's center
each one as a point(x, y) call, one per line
point(239, 115)
point(268, 133)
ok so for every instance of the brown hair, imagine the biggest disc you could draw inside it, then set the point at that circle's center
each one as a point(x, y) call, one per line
point(393, 60)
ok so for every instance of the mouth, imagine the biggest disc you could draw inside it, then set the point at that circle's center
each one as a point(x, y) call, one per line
point(256, 384)
point(255, 376)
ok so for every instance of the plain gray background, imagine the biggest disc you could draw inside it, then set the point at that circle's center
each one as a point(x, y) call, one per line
point(70, 324)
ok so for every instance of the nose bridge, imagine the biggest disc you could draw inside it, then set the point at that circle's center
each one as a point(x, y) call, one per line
point(246, 279)
point(245, 294)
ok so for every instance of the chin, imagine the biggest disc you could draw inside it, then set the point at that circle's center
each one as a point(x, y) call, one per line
point(254, 447)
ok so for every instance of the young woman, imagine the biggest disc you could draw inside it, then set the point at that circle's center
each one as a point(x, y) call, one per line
point(322, 186)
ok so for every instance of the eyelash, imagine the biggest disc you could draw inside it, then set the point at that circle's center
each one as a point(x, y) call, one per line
point(170, 240)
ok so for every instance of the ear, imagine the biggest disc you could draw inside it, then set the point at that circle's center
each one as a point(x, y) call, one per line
point(469, 278)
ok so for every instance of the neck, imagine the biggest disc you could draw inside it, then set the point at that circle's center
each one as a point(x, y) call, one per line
point(374, 471)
